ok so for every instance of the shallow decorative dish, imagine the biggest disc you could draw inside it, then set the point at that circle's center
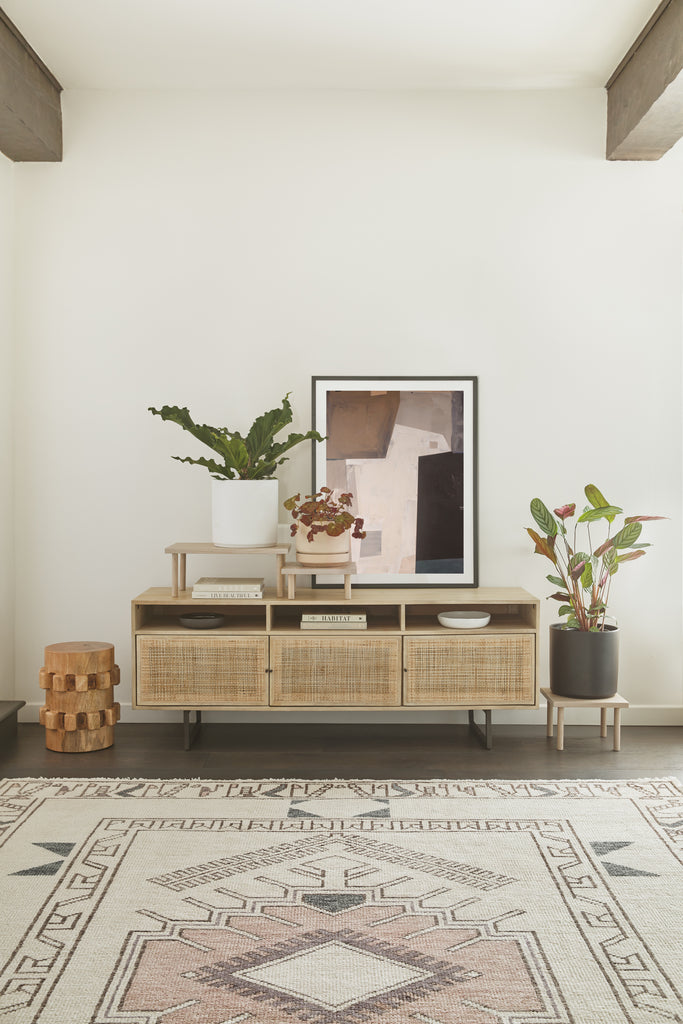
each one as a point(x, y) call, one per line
point(464, 619)
point(201, 620)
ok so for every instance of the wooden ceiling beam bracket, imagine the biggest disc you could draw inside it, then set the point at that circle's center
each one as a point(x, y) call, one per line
point(30, 100)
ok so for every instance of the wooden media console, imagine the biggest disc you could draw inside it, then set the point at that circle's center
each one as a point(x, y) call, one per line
point(262, 659)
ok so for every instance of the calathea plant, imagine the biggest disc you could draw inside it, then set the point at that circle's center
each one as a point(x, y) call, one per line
point(254, 456)
point(584, 571)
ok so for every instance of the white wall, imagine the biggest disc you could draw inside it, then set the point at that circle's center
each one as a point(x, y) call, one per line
point(217, 251)
point(6, 430)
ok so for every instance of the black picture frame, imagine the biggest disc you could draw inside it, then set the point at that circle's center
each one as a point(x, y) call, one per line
point(406, 448)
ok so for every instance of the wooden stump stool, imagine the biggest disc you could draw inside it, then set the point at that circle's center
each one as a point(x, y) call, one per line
point(79, 713)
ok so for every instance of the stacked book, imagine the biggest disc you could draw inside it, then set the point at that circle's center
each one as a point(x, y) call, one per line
point(334, 620)
point(209, 588)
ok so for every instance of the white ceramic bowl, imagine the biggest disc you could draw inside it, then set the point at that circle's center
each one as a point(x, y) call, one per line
point(464, 619)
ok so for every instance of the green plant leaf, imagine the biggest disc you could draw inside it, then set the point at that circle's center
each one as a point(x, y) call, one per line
point(628, 535)
point(566, 609)
point(578, 570)
point(543, 517)
point(557, 580)
point(264, 453)
point(587, 576)
point(543, 547)
point(607, 512)
point(609, 557)
point(605, 546)
point(595, 497)
point(278, 448)
point(630, 556)
point(236, 454)
point(214, 437)
point(254, 457)
point(222, 472)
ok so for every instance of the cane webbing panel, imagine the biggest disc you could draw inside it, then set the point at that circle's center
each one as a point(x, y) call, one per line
point(334, 670)
point(219, 670)
point(470, 670)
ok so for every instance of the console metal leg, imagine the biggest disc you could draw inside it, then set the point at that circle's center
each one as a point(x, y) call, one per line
point(485, 734)
point(191, 729)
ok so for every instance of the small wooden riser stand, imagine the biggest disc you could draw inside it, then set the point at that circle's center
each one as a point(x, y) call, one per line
point(79, 713)
point(181, 550)
point(555, 701)
point(293, 569)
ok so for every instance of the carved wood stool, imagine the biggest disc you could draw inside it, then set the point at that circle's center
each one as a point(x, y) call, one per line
point(79, 713)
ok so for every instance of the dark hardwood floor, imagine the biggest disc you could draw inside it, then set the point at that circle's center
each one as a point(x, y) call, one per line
point(352, 751)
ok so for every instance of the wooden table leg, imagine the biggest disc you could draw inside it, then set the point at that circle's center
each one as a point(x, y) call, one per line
point(174, 574)
point(560, 728)
point(291, 586)
point(603, 722)
point(347, 587)
point(183, 571)
point(617, 728)
point(549, 719)
point(280, 581)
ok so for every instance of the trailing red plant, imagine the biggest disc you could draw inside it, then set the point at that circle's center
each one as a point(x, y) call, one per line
point(323, 513)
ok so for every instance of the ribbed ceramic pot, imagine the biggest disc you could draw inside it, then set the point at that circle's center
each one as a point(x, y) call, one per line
point(584, 665)
point(323, 551)
point(244, 513)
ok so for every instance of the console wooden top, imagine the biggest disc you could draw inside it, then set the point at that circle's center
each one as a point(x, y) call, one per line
point(362, 596)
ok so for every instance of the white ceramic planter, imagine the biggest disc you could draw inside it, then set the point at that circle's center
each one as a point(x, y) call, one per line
point(244, 513)
point(323, 550)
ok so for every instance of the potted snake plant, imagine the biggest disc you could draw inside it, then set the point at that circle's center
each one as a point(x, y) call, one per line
point(244, 505)
point(584, 647)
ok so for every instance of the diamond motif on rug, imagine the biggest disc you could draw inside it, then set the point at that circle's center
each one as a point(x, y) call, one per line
point(398, 957)
point(334, 975)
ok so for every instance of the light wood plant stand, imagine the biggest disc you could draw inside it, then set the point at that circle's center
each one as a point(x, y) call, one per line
point(181, 550)
point(405, 660)
point(293, 569)
point(561, 703)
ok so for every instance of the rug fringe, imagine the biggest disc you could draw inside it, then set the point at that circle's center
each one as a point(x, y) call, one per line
point(352, 780)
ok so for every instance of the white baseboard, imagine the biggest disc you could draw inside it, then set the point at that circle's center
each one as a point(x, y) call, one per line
point(637, 714)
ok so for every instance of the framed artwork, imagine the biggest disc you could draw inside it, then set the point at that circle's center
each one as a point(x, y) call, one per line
point(406, 448)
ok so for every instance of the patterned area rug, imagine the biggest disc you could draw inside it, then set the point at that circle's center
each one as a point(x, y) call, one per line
point(468, 902)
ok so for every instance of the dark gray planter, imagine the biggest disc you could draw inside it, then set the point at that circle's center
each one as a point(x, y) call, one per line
point(584, 665)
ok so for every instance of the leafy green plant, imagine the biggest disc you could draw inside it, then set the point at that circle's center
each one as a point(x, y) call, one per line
point(585, 574)
point(322, 513)
point(254, 456)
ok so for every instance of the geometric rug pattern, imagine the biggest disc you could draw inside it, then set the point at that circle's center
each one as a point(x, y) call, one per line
point(341, 902)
